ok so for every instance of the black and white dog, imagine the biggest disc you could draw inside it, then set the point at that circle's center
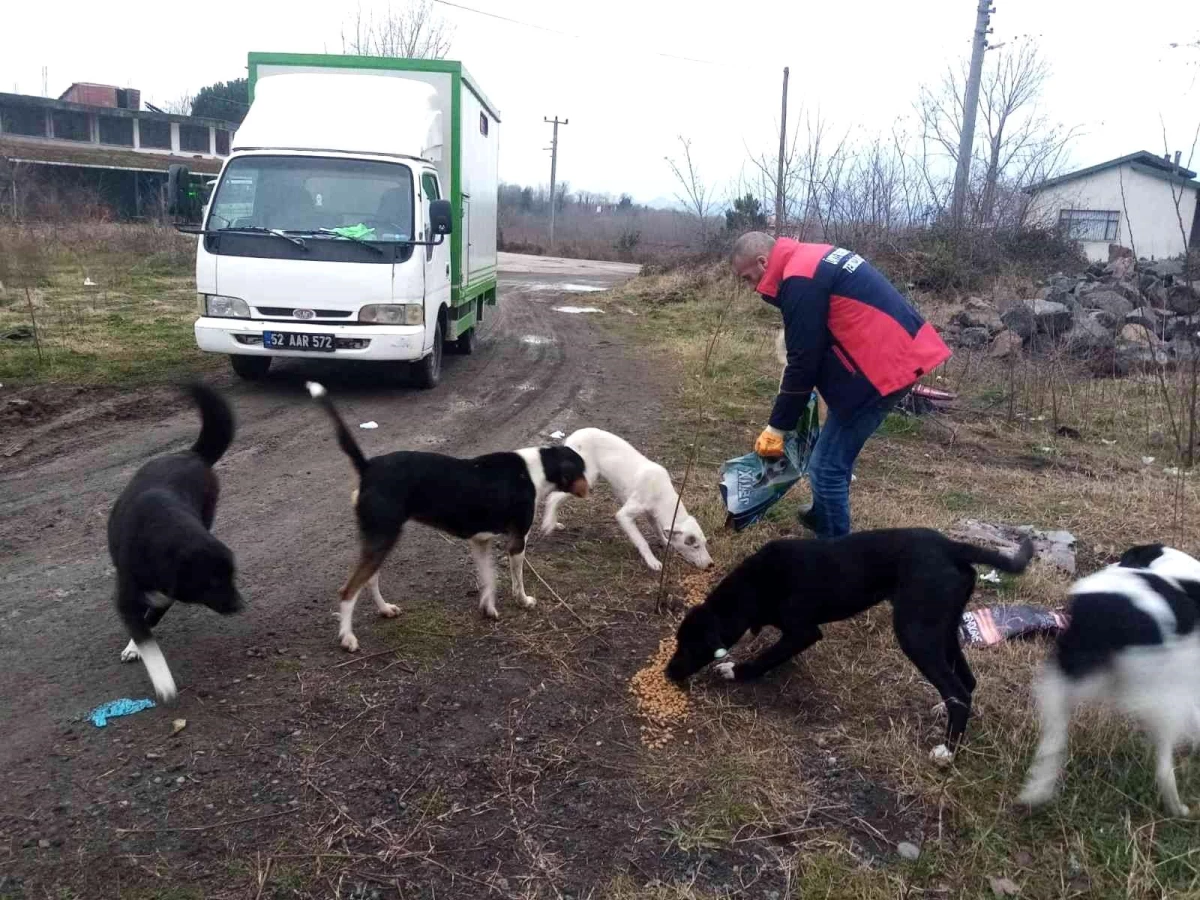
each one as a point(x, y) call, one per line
point(799, 585)
point(160, 541)
point(1131, 643)
point(474, 499)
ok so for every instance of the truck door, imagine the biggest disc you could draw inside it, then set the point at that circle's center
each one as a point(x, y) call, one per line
point(465, 270)
point(437, 259)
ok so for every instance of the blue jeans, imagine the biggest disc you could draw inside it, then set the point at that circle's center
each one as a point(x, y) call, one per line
point(832, 463)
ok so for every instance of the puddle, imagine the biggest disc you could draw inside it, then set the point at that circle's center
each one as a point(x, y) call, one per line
point(576, 309)
point(536, 339)
point(563, 287)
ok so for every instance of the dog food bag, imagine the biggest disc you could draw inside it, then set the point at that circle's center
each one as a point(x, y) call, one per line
point(750, 485)
point(993, 624)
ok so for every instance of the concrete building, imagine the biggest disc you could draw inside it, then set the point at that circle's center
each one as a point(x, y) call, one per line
point(1142, 201)
point(95, 138)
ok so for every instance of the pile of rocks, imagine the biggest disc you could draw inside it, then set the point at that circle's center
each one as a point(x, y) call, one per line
point(1116, 316)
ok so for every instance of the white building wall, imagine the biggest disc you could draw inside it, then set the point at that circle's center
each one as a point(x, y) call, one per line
point(1149, 221)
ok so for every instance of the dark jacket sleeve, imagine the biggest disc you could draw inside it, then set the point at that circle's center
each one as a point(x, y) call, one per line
point(805, 308)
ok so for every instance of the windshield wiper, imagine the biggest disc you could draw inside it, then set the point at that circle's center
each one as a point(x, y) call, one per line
point(358, 240)
point(259, 229)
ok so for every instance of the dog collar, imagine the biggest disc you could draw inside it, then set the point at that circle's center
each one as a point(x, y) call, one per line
point(721, 653)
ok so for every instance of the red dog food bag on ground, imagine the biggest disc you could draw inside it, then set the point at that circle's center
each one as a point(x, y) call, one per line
point(991, 625)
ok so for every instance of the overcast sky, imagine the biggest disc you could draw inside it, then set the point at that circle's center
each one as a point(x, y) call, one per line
point(614, 68)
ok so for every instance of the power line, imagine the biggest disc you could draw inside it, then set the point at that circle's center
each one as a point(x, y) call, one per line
point(492, 15)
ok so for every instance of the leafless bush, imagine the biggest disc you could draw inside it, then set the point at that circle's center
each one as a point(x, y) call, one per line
point(60, 198)
point(694, 194)
point(1186, 390)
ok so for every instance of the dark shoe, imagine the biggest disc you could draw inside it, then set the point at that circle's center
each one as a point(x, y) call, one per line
point(807, 520)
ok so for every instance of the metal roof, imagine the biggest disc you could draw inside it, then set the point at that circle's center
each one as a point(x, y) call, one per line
point(1143, 161)
point(28, 100)
point(91, 156)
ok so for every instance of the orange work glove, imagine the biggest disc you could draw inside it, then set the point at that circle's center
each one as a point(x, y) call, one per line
point(769, 443)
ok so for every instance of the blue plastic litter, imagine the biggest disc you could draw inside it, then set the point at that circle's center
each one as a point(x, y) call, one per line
point(751, 485)
point(123, 707)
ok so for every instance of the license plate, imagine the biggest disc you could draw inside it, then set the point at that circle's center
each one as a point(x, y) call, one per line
point(291, 340)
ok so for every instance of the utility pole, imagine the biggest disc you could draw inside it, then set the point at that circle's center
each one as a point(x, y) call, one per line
point(554, 170)
point(970, 106)
point(782, 152)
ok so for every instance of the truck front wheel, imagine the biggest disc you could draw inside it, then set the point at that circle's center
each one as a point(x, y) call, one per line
point(428, 372)
point(251, 368)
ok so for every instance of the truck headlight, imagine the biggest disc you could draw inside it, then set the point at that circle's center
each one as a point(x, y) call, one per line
point(222, 307)
point(393, 314)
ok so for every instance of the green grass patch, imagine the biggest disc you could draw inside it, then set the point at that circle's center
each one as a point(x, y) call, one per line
point(900, 425)
point(425, 630)
point(1106, 835)
point(91, 307)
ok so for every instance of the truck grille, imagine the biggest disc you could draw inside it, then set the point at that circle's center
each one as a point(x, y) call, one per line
point(285, 312)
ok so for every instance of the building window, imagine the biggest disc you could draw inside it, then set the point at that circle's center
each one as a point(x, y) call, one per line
point(27, 120)
point(71, 126)
point(1089, 224)
point(155, 134)
point(118, 132)
point(222, 142)
point(193, 138)
point(483, 124)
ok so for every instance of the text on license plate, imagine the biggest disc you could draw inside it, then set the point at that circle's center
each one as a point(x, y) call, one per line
point(291, 340)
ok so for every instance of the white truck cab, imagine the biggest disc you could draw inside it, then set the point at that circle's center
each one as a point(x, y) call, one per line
point(355, 218)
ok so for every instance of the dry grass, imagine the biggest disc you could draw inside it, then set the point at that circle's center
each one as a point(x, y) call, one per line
point(109, 303)
point(775, 759)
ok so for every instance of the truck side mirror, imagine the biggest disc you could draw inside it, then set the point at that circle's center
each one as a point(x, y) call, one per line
point(440, 218)
point(181, 200)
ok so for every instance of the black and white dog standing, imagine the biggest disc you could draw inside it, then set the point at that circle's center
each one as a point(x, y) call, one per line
point(160, 541)
point(799, 585)
point(474, 499)
point(1132, 643)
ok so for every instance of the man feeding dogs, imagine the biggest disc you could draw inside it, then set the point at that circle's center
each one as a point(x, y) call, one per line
point(851, 335)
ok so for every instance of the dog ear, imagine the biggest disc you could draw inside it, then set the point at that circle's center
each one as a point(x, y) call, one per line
point(1141, 556)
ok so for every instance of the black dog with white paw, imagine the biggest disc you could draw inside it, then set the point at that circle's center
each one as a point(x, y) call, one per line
point(799, 585)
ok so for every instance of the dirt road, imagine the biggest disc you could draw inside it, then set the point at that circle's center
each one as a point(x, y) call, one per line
point(285, 493)
point(257, 687)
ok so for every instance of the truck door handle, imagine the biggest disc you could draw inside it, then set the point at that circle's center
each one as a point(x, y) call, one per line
point(447, 268)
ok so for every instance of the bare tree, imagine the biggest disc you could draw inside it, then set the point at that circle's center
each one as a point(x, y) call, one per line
point(180, 106)
point(1022, 144)
point(693, 193)
point(412, 30)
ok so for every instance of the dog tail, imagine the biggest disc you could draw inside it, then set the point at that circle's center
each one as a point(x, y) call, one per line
point(216, 423)
point(345, 438)
point(1014, 565)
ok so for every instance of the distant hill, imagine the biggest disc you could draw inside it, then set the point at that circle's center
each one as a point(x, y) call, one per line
point(665, 203)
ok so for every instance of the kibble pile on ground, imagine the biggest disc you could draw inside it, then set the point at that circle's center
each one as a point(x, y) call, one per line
point(660, 702)
point(663, 705)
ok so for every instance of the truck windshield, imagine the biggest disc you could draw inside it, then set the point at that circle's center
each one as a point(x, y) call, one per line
point(319, 196)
